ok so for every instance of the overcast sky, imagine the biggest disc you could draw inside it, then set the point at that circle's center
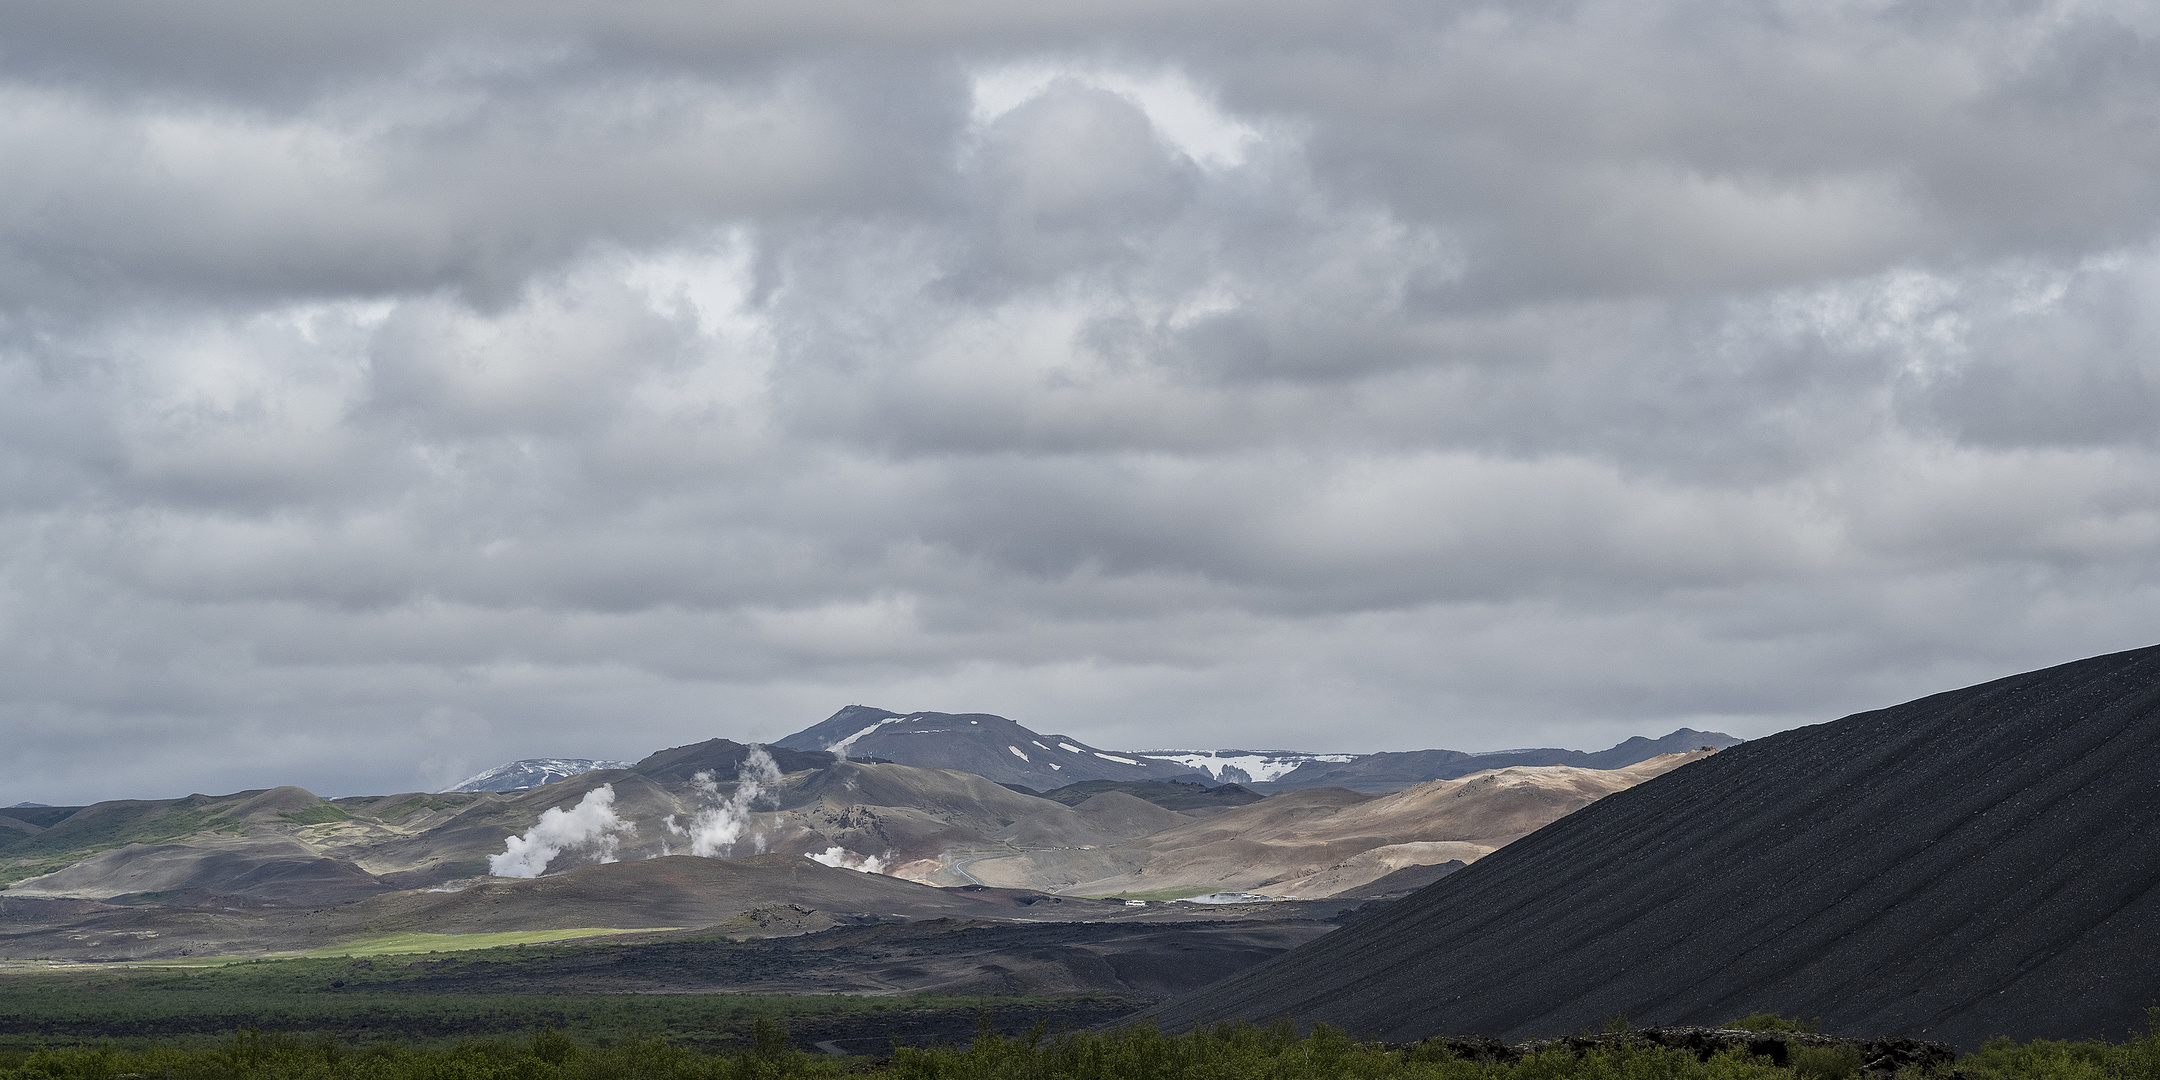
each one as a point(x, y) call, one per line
point(389, 390)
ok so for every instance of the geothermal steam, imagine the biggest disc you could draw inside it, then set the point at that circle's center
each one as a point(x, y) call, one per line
point(592, 823)
point(714, 830)
point(848, 860)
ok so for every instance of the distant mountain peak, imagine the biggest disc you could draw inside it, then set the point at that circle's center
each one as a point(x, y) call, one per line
point(1289, 770)
point(985, 744)
point(533, 772)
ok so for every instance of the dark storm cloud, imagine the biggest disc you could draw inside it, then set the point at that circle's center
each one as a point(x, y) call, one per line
point(389, 391)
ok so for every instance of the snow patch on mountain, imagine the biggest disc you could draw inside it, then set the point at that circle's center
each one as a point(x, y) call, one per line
point(533, 772)
point(841, 747)
point(1244, 766)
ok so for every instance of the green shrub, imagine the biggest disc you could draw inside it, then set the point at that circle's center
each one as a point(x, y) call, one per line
point(2047, 1059)
point(1823, 1062)
point(552, 1046)
point(1762, 1021)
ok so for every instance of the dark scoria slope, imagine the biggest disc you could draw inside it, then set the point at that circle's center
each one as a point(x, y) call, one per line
point(1980, 862)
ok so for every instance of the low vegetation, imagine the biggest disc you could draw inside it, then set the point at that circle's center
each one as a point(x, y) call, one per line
point(1232, 1052)
point(27, 855)
point(197, 1012)
point(407, 943)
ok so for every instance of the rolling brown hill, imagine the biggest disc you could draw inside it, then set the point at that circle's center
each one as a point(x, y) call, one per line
point(608, 848)
point(286, 846)
point(1322, 841)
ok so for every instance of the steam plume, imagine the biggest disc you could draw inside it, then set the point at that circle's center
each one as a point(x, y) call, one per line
point(592, 823)
point(848, 860)
point(714, 830)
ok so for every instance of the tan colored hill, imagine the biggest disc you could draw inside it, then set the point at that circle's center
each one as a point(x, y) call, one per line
point(758, 897)
point(1324, 841)
point(286, 848)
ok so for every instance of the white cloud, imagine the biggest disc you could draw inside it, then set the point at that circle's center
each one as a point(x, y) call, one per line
point(405, 399)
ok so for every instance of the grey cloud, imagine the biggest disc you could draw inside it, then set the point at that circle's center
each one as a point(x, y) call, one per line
point(1075, 180)
point(475, 184)
point(387, 392)
point(1689, 148)
point(2082, 371)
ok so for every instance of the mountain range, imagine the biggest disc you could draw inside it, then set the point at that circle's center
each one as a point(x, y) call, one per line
point(981, 743)
point(1009, 753)
point(1288, 770)
point(174, 872)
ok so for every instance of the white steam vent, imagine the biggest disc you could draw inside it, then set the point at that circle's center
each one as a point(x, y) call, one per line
point(592, 824)
point(844, 859)
point(715, 829)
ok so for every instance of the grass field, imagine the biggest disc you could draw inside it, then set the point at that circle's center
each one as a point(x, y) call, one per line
point(384, 999)
point(395, 944)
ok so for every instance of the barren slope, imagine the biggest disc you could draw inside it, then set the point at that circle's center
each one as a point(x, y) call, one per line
point(1323, 841)
point(1975, 863)
point(1386, 772)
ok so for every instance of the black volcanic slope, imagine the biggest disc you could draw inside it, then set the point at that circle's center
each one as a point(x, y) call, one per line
point(1980, 862)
